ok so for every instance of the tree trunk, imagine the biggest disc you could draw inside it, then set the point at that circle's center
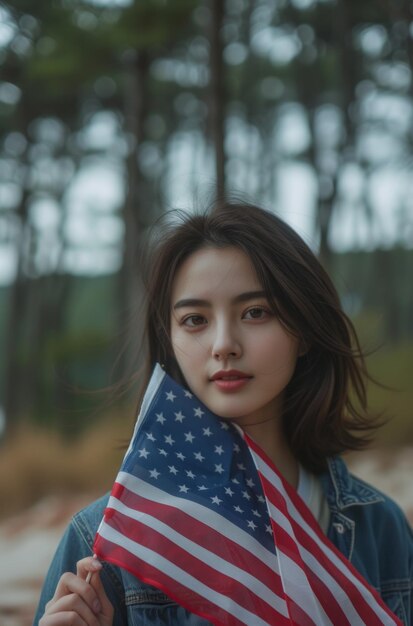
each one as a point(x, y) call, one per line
point(136, 211)
point(18, 298)
point(217, 93)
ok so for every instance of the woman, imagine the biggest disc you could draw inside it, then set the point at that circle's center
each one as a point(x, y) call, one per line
point(240, 311)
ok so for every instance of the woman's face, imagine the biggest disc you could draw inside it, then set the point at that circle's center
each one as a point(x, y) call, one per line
point(233, 352)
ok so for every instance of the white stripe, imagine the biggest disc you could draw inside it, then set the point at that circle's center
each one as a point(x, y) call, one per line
point(210, 558)
point(272, 477)
point(178, 574)
point(201, 513)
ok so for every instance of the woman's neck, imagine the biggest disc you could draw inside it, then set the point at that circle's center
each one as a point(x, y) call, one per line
point(269, 436)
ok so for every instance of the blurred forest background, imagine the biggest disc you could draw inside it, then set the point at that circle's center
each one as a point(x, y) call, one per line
point(114, 111)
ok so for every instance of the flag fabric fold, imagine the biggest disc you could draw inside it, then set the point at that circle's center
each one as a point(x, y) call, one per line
point(199, 511)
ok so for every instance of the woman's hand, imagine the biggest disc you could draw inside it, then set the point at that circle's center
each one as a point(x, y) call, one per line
point(77, 602)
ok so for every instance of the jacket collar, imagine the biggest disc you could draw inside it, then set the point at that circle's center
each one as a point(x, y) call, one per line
point(344, 490)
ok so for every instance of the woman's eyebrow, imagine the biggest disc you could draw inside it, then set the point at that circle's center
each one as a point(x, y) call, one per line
point(242, 297)
point(191, 302)
point(250, 295)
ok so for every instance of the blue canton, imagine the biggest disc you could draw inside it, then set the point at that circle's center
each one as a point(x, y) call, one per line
point(183, 448)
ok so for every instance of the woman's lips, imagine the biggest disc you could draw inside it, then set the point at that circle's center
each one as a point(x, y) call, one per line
point(230, 380)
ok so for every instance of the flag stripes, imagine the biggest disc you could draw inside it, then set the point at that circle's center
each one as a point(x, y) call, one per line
point(221, 561)
point(329, 571)
point(244, 544)
point(163, 538)
point(154, 568)
point(204, 542)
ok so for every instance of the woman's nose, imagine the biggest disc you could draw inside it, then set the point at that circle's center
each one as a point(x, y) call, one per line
point(225, 343)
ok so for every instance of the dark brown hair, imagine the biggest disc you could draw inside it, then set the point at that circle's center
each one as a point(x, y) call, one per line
point(324, 410)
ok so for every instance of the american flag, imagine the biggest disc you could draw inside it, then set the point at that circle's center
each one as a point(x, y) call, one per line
point(198, 511)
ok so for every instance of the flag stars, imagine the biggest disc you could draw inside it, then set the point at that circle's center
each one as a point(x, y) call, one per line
point(202, 488)
point(255, 512)
point(219, 450)
point(170, 396)
point(189, 437)
point(241, 467)
point(219, 469)
point(246, 495)
point(150, 437)
point(183, 488)
point(172, 470)
point(143, 453)
point(261, 499)
point(162, 452)
point(160, 418)
point(169, 440)
point(224, 426)
point(229, 491)
point(251, 524)
point(216, 500)
point(179, 417)
point(250, 482)
point(180, 456)
point(268, 529)
point(188, 394)
point(198, 412)
point(199, 456)
point(190, 474)
point(238, 509)
point(207, 432)
point(236, 447)
point(154, 474)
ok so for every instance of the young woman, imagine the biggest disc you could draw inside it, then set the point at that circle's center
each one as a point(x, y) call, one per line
point(240, 311)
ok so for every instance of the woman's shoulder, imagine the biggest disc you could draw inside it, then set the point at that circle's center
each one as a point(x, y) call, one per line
point(344, 490)
point(87, 520)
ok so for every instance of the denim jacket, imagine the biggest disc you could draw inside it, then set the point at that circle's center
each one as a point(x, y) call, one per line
point(365, 525)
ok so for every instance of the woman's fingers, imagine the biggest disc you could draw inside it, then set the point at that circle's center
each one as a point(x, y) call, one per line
point(77, 602)
point(62, 619)
point(88, 565)
point(71, 584)
point(89, 568)
point(71, 609)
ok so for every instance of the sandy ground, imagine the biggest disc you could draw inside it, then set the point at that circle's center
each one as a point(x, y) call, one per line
point(27, 545)
point(28, 541)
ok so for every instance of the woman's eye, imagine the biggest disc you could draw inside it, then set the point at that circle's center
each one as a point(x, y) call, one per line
point(256, 313)
point(193, 321)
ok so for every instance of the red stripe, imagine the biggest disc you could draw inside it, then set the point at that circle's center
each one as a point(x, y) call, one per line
point(201, 534)
point(234, 589)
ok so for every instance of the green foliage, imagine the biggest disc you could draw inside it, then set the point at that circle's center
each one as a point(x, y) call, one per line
point(61, 53)
point(392, 366)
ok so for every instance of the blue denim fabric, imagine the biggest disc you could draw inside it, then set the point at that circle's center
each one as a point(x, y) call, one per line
point(365, 525)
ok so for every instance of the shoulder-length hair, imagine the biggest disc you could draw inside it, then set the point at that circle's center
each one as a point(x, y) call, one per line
point(324, 408)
